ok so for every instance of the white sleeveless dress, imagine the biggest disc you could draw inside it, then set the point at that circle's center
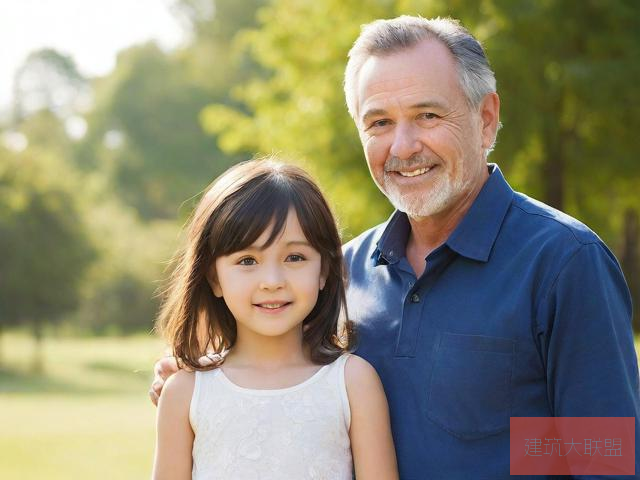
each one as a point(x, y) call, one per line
point(295, 433)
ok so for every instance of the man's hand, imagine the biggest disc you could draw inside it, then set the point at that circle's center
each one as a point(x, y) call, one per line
point(163, 369)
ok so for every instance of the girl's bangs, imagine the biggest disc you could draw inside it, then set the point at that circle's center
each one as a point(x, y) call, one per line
point(248, 214)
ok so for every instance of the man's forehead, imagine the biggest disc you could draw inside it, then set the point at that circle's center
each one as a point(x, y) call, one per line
point(421, 73)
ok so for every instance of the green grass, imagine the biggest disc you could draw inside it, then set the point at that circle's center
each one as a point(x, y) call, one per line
point(88, 414)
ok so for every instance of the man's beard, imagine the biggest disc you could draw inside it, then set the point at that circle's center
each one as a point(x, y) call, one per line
point(421, 202)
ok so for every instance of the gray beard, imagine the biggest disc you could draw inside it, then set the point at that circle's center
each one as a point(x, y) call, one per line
point(424, 204)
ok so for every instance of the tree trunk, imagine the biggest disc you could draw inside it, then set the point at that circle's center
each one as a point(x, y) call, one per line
point(630, 259)
point(553, 169)
point(37, 364)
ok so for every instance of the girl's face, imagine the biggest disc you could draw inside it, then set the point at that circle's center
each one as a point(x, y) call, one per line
point(270, 291)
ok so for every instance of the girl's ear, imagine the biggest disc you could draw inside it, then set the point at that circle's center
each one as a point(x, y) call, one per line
point(212, 279)
point(323, 277)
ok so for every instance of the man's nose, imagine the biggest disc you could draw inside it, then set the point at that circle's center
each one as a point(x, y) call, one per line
point(405, 141)
point(273, 277)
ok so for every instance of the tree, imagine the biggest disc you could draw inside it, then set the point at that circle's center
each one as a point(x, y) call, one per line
point(44, 248)
point(48, 80)
point(567, 73)
point(151, 104)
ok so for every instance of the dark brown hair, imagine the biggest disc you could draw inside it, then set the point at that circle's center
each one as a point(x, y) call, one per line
point(233, 212)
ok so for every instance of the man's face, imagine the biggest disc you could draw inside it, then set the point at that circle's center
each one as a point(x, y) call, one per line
point(424, 145)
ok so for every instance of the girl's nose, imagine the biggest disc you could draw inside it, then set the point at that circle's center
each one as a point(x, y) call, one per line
point(273, 278)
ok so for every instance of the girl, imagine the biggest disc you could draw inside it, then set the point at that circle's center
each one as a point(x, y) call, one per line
point(267, 389)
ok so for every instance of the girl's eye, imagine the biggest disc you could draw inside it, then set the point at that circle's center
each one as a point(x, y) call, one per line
point(295, 258)
point(247, 261)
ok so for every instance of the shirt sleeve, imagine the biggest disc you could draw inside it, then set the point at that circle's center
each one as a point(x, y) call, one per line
point(586, 339)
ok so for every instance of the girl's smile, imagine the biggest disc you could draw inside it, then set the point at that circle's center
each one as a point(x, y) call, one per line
point(273, 306)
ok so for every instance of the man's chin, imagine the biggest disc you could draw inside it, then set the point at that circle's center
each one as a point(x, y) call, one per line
point(419, 207)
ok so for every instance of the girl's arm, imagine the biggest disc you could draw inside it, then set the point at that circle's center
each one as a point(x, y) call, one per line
point(174, 437)
point(374, 456)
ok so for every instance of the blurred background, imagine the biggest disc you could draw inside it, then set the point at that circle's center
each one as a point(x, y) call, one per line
point(115, 115)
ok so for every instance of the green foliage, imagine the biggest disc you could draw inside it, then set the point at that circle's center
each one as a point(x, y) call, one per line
point(162, 156)
point(47, 80)
point(44, 247)
point(119, 294)
point(568, 74)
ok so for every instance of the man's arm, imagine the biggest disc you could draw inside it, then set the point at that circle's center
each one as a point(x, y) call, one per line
point(372, 447)
point(174, 437)
point(587, 341)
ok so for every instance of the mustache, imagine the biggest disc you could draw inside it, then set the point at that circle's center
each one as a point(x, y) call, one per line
point(414, 161)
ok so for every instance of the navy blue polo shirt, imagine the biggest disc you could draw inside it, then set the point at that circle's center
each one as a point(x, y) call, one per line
point(523, 311)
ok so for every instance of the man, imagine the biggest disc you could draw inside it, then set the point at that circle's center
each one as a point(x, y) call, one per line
point(473, 302)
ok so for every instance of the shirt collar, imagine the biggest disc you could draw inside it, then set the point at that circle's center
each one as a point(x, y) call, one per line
point(473, 237)
point(393, 241)
point(477, 232)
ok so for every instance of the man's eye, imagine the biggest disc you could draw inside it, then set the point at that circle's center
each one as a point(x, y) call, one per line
point(247, 261)
point(379, 123)
point(428, 116)
point(294, 257)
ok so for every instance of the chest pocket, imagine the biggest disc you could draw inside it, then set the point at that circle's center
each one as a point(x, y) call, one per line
point(469, 393)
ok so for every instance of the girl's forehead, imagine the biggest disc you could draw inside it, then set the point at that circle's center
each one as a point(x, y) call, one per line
point(291, 232)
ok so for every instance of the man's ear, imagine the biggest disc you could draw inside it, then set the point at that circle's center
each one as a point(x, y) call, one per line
point(212, 279)
point(490, 117)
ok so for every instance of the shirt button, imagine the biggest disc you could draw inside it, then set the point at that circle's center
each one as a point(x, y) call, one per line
point(415, 298)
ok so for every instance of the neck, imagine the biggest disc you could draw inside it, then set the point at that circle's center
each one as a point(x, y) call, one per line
point(428, 233)
point(251, 350)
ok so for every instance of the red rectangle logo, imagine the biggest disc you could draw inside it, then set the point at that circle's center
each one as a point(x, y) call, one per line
point(572, 446)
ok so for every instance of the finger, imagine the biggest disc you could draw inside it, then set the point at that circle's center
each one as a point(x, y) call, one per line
point(157, 385)
point(157, 368)
point(205, 361)
point(153, 396)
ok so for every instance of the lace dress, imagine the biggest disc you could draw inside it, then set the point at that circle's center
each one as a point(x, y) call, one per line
point(297, 433)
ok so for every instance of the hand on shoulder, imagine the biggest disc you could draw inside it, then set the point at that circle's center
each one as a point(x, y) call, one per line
point(163, 369)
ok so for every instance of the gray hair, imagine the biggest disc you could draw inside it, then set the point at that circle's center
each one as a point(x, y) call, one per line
point(384, 37)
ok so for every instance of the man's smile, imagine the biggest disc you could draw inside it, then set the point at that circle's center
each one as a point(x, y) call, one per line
point(415, 173)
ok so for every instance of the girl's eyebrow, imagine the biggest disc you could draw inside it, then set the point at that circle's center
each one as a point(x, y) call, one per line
point(290, 243)
point(303, 243)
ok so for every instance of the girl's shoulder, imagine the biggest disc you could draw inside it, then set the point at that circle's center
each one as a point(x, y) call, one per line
point(359, 374)
point(178, 390)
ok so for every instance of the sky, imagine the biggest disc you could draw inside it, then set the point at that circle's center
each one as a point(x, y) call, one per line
point(90, 31)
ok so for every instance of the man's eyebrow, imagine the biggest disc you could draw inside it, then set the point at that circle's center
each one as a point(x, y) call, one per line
point(427, 104)
point(374, 112)
point(380, 112)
